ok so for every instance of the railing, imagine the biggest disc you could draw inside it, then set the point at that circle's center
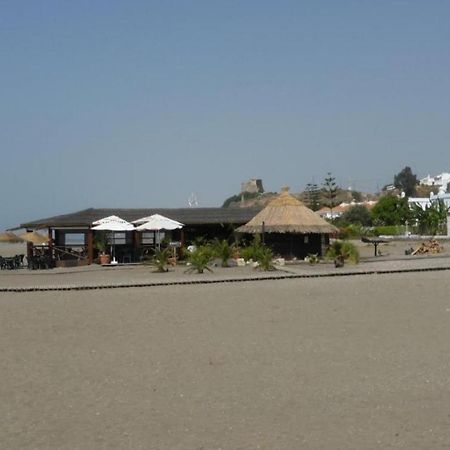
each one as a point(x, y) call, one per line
point(68, 251)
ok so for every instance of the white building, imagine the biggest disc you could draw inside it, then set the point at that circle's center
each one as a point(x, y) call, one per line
point(426, 201)
point(441, 180)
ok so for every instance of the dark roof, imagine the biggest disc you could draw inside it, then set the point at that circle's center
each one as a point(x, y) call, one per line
point(188, 216)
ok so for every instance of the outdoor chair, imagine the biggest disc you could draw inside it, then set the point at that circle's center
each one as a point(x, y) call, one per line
point(33, 262)
point(8, 263)
point(18, 261)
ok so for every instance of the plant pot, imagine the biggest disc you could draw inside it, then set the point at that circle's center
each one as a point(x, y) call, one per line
point(104, 259)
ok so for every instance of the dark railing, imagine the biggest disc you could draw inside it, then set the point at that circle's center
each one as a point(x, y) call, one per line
point(11, 262)
point(70, 253)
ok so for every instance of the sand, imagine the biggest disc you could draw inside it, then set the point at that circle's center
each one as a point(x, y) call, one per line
point(336, 363)
point(12, 249)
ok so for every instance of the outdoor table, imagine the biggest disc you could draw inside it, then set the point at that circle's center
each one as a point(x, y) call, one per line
point(375, 242)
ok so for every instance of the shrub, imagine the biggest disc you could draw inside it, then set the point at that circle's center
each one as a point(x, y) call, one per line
point(313, 258)
point(161, 259)
point(200, 259)
point(388, 230)
point(251, 251)
point(345, 250)
point(223, 250)
point(351, 231)
point(264, 257)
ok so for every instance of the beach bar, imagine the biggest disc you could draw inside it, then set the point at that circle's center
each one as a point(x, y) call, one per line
point(72, 239)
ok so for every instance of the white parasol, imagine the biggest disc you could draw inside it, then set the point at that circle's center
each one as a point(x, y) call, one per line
point(156, 222)
point(112, 223)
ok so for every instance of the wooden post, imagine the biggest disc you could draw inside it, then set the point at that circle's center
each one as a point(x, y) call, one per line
point(136, 236)
point(50, 243)
point(182, 243)
point(90, 246)
point(29, 248)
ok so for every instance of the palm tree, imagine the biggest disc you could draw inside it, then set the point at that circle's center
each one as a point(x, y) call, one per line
point(223, 250)
point(161, 259)
point(200, 259)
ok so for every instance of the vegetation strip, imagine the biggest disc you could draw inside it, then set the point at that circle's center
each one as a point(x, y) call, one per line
point(225, 280)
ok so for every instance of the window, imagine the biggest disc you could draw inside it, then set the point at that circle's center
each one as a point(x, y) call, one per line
point(119, 237)
point(148, 238)
point(73, 239)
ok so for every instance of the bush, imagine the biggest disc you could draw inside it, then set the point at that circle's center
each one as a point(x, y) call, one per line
point(250, 252)
point(223, 250)
point(388, 230)
point(264, 257)
point(313, 258)
point(345, 250)
point(351, 231)
point(200, 259)
point(161, 259)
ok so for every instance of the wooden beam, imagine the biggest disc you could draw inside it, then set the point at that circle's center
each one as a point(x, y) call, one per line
point(90, 246)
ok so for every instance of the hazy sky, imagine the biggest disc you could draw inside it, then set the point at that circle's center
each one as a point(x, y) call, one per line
point(141, 103)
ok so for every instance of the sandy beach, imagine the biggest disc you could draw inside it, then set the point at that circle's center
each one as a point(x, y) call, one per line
point(335, 363)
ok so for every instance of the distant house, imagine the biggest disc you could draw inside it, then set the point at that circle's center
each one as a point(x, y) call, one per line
point(338, 210)
point(424, 202)
point(442, 180)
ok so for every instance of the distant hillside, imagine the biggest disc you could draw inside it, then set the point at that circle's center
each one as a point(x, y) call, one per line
point(247, 200)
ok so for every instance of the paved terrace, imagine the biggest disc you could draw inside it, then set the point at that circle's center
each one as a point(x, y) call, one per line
point(98, 277)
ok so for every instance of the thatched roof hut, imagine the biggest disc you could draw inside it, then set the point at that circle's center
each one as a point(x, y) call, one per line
point(286, 214)
point(9, 237)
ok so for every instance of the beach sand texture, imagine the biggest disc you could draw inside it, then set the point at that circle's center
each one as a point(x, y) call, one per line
point(337, 363)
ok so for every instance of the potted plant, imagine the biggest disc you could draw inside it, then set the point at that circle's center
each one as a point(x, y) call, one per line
point(341, 252)
point(101, 244)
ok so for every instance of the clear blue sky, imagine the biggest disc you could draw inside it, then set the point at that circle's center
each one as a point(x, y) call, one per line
point(140, 103)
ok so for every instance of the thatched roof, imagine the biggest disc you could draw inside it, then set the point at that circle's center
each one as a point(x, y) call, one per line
point(34, 238)
point(286, 214)
point(10, 237)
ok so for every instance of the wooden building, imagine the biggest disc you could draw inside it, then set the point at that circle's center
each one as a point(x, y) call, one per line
point(290, 228)
point(72, 237)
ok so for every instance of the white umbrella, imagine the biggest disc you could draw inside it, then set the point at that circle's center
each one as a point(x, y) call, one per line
point(112, 223)
point(158, 223)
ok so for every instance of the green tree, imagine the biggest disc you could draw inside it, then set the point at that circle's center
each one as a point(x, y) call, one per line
point(357, 196)
point(357, 214)
point(406, 181)
point(391, 210)
point(330, 190)
point(312, 196)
